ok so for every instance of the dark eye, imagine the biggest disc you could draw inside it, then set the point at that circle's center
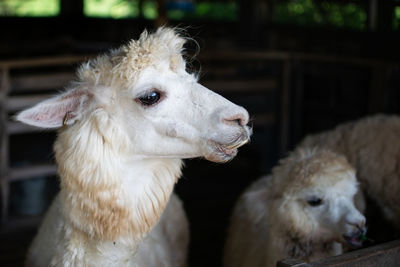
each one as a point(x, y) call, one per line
point(150, 98)
point(314, 201)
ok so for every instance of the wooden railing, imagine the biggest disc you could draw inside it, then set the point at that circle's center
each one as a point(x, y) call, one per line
point(23, 84)
point(253, 79)
point(383, 255)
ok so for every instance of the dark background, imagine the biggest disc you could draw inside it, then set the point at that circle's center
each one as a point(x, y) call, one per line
point(295, 75)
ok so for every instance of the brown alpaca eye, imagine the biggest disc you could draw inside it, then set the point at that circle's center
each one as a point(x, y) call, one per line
point(150, 98)
point(314, 201)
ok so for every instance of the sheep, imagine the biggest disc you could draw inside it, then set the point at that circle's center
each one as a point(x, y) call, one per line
point(124, 127)
point(372, 146)
point(304, 210)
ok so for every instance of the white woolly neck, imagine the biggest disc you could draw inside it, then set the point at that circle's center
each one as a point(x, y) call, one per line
point(105, 192)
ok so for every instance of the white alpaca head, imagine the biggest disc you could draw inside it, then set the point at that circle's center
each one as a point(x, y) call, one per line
point(314, 194)
point(141, 97)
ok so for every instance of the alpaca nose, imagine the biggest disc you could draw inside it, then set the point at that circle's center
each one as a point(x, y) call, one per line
point(356, 219)
point(240, 118)
point(360, 226)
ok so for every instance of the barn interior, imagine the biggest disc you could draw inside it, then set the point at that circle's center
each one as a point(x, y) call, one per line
point(298, 66)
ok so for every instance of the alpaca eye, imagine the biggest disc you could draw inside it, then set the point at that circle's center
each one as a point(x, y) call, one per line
point(150, 98)
point(315, 201)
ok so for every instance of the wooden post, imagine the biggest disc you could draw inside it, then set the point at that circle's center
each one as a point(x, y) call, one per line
point(377, 90)
point(162, 18)
point(285, 98)
point(140, 6)
point(385, 14)
point(72, 9)
point(373, 15)
point(247, 26)
point(297, 104)
point(4, 88)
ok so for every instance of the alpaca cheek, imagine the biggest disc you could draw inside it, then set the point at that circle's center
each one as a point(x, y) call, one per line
point(171, 131)
point(179, 130)
point(300, 222)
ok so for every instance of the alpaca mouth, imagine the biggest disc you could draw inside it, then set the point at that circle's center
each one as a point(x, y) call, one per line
point(225, 152)
point(354, 241)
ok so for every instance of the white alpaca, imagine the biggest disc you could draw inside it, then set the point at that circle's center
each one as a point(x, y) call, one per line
point(372, 146)
point(303, 210)
point(125, 125)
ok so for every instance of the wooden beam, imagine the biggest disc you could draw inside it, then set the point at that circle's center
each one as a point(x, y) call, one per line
point(16, 103)
point(291, 263)
point(386, 254)
point(38, 82)
point(232, 55)
point(43, 61)
point(15, 127)
point(22, 173)
point(228, 86)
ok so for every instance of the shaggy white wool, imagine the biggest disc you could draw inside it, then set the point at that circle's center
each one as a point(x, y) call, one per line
point(372, 145)
point(125, 125)
point(274, 220)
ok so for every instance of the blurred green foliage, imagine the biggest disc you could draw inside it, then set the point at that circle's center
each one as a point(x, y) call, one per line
point(210, 10)
point(119, 9)
point(116, 9)
point(321, 13)
point(29, 8)
point(396, 20)
point(316, 13)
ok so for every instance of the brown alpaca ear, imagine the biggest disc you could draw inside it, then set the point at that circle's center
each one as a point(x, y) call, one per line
point(55, 112)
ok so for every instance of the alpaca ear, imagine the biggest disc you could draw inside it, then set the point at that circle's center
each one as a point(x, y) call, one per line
point(55, 112)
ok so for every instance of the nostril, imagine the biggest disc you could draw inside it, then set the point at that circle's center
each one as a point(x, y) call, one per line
point(361, 228)
point(237, 119)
